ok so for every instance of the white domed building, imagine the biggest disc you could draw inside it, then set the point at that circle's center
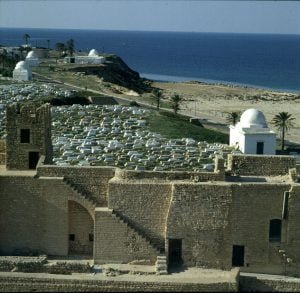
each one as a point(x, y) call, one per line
point(93, 53)
point(251, 135)
point(22, 72)
point(32, 59)
point(92, 58)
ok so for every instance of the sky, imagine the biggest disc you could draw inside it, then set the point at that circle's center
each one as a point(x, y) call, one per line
point(281, 17)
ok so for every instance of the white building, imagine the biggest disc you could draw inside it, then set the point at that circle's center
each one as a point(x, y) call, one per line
point(92, 58)
point(22, 71)
point(252, 135)
point(32, 59)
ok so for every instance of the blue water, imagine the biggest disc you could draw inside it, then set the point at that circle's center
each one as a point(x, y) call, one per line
point(269, 61)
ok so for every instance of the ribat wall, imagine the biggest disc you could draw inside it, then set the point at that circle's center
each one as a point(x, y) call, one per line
point(90, 181)
point(199, 215)
point(253, 206)
point(2, 152)
point(144, 203)
point(34, 215)
point(293, 230)
point(260, 165)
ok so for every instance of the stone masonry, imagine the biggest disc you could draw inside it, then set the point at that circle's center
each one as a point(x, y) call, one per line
point(215, 220)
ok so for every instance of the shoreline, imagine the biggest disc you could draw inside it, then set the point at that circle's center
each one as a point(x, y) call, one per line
point(212, 82)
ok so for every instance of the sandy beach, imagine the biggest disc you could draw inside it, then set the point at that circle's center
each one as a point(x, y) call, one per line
point(213, 102)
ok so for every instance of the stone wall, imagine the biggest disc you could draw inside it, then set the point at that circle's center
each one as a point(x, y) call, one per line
point(38, 121)
point(2, 152)
point(34, 215)
point(169, 175)
point(260, 165)
point(144, 203)
point(253, 206)
point(116, 242)
point(293, 231)
point(263, 284)
point(90, 181)
point(199, 215)
point(45, 283)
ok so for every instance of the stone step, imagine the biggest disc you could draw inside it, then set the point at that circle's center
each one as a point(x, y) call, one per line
point(121, 219)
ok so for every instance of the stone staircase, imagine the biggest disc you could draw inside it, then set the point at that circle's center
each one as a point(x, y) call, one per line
point(161, 261)
point(84, 200)
point(161, 265)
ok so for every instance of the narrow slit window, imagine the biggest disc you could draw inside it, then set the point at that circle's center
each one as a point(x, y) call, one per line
point(91, 237)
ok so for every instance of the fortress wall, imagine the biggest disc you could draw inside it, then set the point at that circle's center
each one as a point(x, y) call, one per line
point(2, 152)
point(260, 165)
point(116, 242)
point(19, 282)
point(293, 230)
point(144, 203)
point(90, 181)
point(35, 119)
point(253, 206)
point(200, 216)
point(34, 215)
point(169, 175)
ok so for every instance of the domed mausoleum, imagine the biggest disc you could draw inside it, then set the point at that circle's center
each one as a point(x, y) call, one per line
point(22, 72)
point(32, 59)
point(92, 58)
point(93, 53)
point(252, 135)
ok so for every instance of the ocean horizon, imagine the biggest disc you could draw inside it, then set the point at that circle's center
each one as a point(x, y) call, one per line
point(269, 61)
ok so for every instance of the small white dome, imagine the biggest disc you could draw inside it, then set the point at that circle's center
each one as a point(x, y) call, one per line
point(253, 117)
point(31, 54)
point(93, 53)
point(21, 65)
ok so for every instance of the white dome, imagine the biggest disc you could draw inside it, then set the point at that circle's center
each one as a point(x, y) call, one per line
point(253, 117)
point(93, 53)
point(31, 54)
point(21, 65)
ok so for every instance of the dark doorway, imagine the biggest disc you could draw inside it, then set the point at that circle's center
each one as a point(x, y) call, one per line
point(275, 230)
point(175, 251)
point(238, 252)
point(33, 159)
point(259, 148)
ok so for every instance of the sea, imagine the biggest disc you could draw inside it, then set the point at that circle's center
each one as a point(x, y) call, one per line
point(268, 61)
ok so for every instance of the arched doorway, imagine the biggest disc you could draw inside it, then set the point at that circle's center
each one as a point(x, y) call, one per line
point(81, 230)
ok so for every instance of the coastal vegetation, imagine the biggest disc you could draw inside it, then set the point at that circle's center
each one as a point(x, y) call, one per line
point(7, 63)
point(176, 100)
point(283, 121)
point(233, 117)
point(157, 96)
point(173, 125)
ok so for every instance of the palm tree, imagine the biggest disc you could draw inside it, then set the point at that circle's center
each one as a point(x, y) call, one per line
point(26, 37)
point(157, 96)
point(283, 121)
point(70, 46)
point(233, 117)
point(176, 100)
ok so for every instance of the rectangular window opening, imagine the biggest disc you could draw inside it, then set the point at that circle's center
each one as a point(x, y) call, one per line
point(91, 237)
point(72, 237)
point(25, 136)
